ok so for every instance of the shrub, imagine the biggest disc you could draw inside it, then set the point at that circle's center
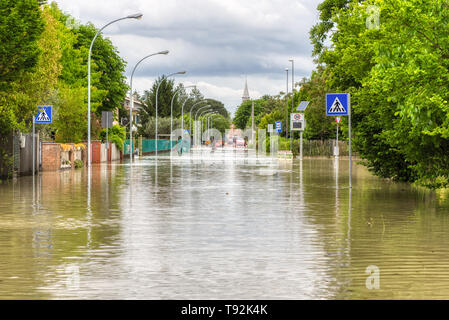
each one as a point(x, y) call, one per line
point(78, 164)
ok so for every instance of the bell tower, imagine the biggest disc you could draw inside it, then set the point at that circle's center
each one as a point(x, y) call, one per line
point(245, 92)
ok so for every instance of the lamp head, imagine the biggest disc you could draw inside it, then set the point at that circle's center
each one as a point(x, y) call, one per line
point(163, 52)
point(137, 16)
point(181, 72)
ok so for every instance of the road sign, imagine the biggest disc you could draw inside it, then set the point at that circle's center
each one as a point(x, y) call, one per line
point(338, 119)
point(337, 104)
point(302, 106)
point(278, 126)
point(297, 122)
point(45, 114)
point(186, 131)
point(106, 119)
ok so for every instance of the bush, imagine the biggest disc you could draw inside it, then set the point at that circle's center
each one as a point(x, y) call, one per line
point(116, 134)
point(78, 164)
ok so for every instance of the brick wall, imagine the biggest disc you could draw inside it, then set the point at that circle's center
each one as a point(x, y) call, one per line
point(51, 156)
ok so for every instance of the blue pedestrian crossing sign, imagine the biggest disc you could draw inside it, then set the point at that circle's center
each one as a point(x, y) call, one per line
point(278, 126)
point(337, 104)
point(44, 115)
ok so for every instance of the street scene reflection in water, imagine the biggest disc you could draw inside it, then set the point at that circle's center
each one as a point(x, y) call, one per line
point(221, 225)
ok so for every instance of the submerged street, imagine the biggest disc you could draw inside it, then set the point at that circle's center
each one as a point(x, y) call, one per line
point(222, 225)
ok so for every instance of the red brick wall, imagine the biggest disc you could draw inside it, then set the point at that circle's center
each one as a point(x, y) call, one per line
point(51, 156)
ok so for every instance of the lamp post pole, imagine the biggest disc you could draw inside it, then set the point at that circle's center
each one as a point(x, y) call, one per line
point(201, 122)
point(190, 114)
point(131, 100)
point(171, 112)
point(157, 91)
point(292, 133)
point(208, 116)
point(196, 114)
point(286, 109)
point(89, 146)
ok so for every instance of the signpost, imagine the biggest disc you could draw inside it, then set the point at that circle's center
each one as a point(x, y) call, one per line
point(337, 149)
point(300, 123)
point(44, 115)
point(106, 123)
point(278, 126)
point(297, 122)
point(339, 104)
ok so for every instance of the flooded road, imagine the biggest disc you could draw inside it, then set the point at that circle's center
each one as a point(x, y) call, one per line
point(221, 226)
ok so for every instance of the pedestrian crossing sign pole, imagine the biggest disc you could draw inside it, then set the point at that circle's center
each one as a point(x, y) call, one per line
point(44, 115)
point(339, 104)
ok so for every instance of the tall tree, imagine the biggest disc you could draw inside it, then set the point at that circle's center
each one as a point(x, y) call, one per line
point(21, 27)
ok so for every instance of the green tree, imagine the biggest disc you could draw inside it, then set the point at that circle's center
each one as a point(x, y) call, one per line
point(21, 27)
point(165, 95)
point(109, 65)
point(243, 113)
point(70, 115)
point(396, 75)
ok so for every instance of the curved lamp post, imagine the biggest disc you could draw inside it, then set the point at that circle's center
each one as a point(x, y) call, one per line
point(137, 16)
point(157, 91)
point(207, 116)
point(171, 110)
point(196, 114)
point(286, 109)
point(293, 98)
point(190, 114)
point(131, 99)
point(212, 118)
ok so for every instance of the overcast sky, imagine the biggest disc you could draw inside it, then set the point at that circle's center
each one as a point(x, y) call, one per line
point(218, 42)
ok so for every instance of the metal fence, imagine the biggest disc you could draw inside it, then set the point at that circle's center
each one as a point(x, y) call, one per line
point(148, 145)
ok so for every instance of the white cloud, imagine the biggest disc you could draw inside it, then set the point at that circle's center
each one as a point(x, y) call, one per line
point(217, 42)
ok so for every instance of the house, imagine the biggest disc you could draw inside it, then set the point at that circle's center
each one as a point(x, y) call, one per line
point(138, 105)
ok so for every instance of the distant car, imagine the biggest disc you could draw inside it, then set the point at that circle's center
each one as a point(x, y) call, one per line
point(240, 142)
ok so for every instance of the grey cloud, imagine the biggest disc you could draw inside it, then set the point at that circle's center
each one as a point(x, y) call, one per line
point(211, 38)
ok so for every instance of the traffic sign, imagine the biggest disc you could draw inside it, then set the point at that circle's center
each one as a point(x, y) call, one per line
point(106, 119)
point(338, 119)
point(297, 122)
point(278, 126)
point(337, 104)
point(45, 114)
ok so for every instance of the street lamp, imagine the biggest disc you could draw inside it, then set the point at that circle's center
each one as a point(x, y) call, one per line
point(190, 114)
point(293, 98)
point(157, 91)
point(212, 118)
point(171, 110)
point(137, 16)
point(196, 114)
point(207, 116)
point(131, 99)
point(286, 109)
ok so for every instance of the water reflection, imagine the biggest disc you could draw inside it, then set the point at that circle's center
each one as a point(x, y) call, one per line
point(221, 225)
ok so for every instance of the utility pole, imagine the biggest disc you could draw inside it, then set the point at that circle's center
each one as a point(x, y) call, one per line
point(286, 109)
point(252, 123)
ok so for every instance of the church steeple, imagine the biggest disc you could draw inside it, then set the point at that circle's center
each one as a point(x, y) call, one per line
point(245, 92)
